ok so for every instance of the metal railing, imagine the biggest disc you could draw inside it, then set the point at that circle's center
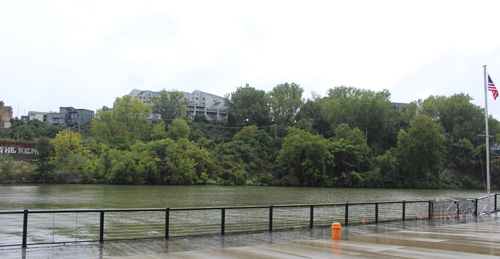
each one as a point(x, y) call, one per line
point(92, 225)
point(481, 204)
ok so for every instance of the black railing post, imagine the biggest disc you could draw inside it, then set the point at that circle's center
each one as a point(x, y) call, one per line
point(376, 212)
point(101, 228)
point(495, 202)
point(347, 213)
point(311, 218)
point(430, 209)
point(404, 210)
point(271, 218)
point(167, 222)
point(475, 212)
point(458, 209)
point(223, 221)
point(25, 227)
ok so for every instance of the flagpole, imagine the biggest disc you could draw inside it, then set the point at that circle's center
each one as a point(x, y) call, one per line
point(487, 139)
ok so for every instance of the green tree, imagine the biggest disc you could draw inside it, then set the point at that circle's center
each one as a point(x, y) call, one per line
point(159, 131)
point(18, 130)
point(179, 162)
point(248, 106)
point(178, 129)
point(133, 113)
point(310, 114)
point(170, 105)
point(364, 109)
point(350, 152)
point(459, 117)
point(67, 150)
point(127, 120)
point(45, 158)
point(285, 101)
point(24, 132)
point(246, 134)
point(43, 128)
point(420, 152)
point(460, 155)
point(106, 126)
point(388, 166)
point(200, 118)
point(304, 158)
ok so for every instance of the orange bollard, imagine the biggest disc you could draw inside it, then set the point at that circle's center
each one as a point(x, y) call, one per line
point(336, 230)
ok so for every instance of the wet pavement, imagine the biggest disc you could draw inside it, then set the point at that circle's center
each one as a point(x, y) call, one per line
point(437, 238)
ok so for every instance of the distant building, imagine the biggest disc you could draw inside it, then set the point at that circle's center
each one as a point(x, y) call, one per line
point(210, 105)
point(5, 115)
point(495, 149)
point(398, 106)
point(69, 116)
point(41, 116)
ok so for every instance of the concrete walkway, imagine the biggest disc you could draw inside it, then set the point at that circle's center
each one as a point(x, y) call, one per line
point(437, 238)
point(471, 240)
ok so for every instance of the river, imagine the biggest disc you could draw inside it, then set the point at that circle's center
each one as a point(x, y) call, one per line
point(66, 196)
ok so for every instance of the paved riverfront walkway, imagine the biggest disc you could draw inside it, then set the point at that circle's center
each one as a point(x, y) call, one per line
point(438, 238)
point(473, 240)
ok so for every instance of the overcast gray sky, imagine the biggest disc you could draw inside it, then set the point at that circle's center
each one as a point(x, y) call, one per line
point(86, 53)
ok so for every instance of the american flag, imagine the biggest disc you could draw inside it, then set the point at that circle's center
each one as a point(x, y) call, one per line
point(492, 88)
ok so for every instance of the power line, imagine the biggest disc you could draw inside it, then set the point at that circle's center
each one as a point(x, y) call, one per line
point(225, 127)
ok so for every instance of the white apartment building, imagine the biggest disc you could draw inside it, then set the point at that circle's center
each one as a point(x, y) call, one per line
point(41, 116)
point(211, 105)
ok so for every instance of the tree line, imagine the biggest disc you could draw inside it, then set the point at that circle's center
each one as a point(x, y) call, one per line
point(349, 138)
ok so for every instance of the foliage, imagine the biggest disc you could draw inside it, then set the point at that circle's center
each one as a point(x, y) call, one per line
point(106, 126)
point(200, 118)
point(169, 104)
point(15, 171)
point(420, 152)
point(248, 106)
point(364, 109)
point(285, 101)
point(306, 157)
point(178, 129)
point(45, 159)
point(159, 131)
point(246, 134)
point(347, 139)
point(133, 114)
point(456, 114)
point(350, 152)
